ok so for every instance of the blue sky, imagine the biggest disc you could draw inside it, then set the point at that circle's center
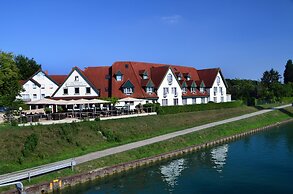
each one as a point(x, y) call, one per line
point(243, 37)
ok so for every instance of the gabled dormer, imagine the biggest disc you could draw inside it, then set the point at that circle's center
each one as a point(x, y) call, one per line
point(193, 87)
point(149, 88)
point(202, 87)
point(144, 74)
point(118, 76)
point(187, 76)
point(127, 88)
point(184, 87)
point(179, 76)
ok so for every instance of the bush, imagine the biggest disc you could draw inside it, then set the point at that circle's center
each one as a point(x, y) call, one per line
point(197, 107)
point(30, 144)
point(155, 106)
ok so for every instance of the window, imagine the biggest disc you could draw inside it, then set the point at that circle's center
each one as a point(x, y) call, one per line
point(42, 86)
point(76, 78)
point(76, 90)
point(149, 89)
point(188, 78)
point(128, 91)
point(25, 96)
point(87, 90)
point(215, 91)
point(165, 91)
point(164, 102)
point(193, 90)
point(215, 99)
point(184, 89)
point(201, 90)
point(184, 101)
point(43, 95)
point(218, 80)
point(34, 96)
point(174, 91)
point(144, 76)
point(193, 100)
point(65, 91)
point(169, 78)
point(202, 100)
point(175, 101)
point(221, 90)
point(34, 86)
point(119, 77)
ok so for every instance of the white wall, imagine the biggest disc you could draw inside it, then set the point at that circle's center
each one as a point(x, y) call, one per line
point(169, 96)
point(219, 97)
point(71, 84)
point(48, 87)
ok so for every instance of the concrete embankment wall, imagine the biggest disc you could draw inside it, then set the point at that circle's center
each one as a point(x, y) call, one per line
point(107, 171)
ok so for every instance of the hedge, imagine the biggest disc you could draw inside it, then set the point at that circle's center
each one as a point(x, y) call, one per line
point(197, 107)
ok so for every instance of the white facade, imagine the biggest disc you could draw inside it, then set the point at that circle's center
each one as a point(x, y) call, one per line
point(169, 92)
point(33, 91)
point(218, 92)
point(195, 100)
point(75, 86)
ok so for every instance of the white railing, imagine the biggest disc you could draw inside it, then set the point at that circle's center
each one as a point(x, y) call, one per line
point(27, 174)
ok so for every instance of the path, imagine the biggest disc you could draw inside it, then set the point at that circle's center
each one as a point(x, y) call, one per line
point(99, 154)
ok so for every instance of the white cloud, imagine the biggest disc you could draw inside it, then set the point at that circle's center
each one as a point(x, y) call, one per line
point(173, 19)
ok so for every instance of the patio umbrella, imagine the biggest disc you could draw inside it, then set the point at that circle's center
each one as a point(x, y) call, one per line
point(127, 99)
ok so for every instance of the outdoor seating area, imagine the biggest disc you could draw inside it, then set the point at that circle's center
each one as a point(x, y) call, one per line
point(82, 109)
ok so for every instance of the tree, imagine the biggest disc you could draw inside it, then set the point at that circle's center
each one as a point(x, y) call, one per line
point(27, 67)
point(288, 73)
point(270, 77)
point(9, 79)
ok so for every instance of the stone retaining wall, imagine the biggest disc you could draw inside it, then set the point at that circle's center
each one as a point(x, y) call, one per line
point(107, 171)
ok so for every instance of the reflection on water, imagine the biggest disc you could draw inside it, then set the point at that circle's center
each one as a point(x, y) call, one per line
point(219, 156)
point(172, 171)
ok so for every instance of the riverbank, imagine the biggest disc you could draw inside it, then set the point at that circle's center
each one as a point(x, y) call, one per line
point(37, 145)
point(197, 138)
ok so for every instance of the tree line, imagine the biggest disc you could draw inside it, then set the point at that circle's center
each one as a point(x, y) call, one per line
point(269, 89)
point(14, 68)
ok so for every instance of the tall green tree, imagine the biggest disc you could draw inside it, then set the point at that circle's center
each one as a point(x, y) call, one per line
point(288, 73)
point(9, 79)
point(27, 67)
point(270, 77)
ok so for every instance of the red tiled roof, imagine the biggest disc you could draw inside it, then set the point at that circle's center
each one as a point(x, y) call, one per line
point(98, 77)
point(59, 79)
point(209, 76)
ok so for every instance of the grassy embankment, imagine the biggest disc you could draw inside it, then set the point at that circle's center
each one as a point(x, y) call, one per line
point(24, 147)
point(176, 143)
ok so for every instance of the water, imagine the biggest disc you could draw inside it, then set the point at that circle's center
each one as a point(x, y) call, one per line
point(261, 163)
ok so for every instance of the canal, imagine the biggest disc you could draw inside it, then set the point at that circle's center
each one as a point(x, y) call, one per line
point(261, 163)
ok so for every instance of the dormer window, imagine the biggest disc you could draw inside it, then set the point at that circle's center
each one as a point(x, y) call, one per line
point(187, 76)
point(127, 87)
point(193, 87)
point(76, 78)
point(184, 87)
point(149, 89)
point(145, 76)
point(119, 76)
point(179, 76)
point(202, 87)
point(193, 90)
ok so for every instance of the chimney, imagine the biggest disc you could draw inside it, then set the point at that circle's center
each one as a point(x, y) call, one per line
point(46, 72)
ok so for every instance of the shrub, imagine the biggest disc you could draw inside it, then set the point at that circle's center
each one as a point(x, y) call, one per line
point(30, 144)
point(198, 107)
point(155, 106)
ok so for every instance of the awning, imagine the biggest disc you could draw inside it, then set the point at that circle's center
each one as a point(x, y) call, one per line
point(129, 99)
